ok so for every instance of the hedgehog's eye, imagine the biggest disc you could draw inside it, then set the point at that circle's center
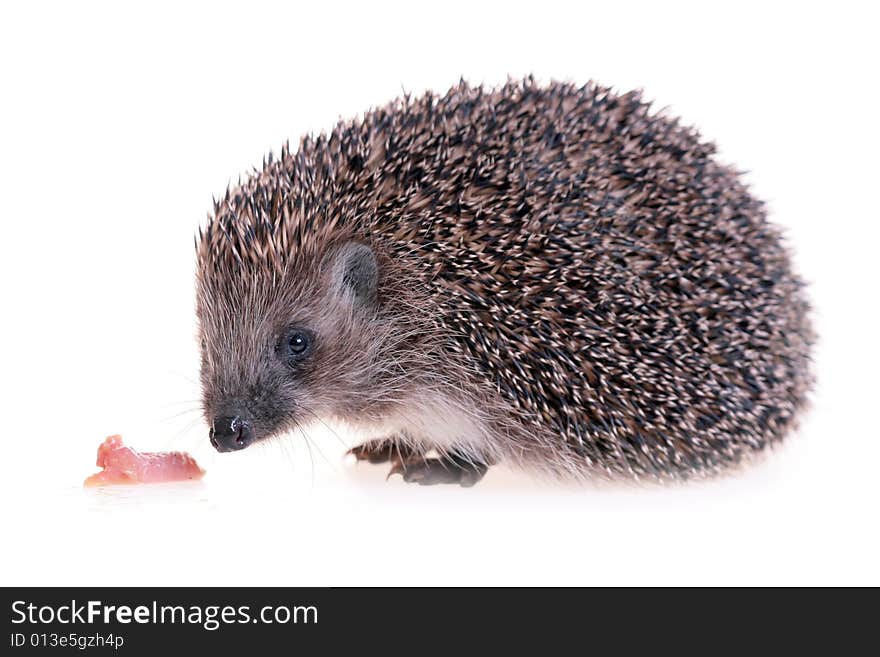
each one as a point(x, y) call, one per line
point(295, 345)
point(298, 343)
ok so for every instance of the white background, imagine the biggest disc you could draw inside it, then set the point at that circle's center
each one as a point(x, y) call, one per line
point(119, 124)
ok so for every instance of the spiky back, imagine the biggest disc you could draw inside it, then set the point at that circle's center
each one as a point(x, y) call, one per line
point(618, 288)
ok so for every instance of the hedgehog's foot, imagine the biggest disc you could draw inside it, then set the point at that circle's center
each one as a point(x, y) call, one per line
point(382, 451)
point(449, 469)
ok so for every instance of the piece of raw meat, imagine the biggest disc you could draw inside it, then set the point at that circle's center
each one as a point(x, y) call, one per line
point(124, 465)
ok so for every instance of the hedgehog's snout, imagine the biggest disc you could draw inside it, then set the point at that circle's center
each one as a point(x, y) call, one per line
point(230, 434)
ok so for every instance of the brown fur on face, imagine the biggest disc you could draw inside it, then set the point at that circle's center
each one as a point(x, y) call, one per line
point(564, 279)
point(244, 317)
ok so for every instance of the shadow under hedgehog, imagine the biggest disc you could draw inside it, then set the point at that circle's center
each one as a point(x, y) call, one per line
point(552, 276)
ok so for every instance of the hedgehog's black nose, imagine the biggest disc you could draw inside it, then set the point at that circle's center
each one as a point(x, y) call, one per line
point(229, 434)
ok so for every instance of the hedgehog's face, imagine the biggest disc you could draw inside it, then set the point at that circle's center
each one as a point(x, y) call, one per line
point(280, 354)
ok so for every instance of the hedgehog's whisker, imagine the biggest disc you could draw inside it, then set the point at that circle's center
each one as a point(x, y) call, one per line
point(288, 454)
point(309, 447)
point(184, 377)
point(182, 434)
point(311, 440)
point(329, 428)
point(182, 413)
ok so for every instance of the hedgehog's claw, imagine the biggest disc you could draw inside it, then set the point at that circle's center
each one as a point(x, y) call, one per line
point(448, 470)
point(415, 468)
point(396, 468)
point(381, 451)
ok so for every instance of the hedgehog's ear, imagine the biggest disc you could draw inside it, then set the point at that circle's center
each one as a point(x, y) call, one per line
point(356, 271)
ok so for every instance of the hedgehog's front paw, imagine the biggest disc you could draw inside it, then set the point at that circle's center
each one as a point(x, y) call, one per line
point(448, 470)
point(381, 451)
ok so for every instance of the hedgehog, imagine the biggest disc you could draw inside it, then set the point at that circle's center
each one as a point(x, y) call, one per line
point(551, 276)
